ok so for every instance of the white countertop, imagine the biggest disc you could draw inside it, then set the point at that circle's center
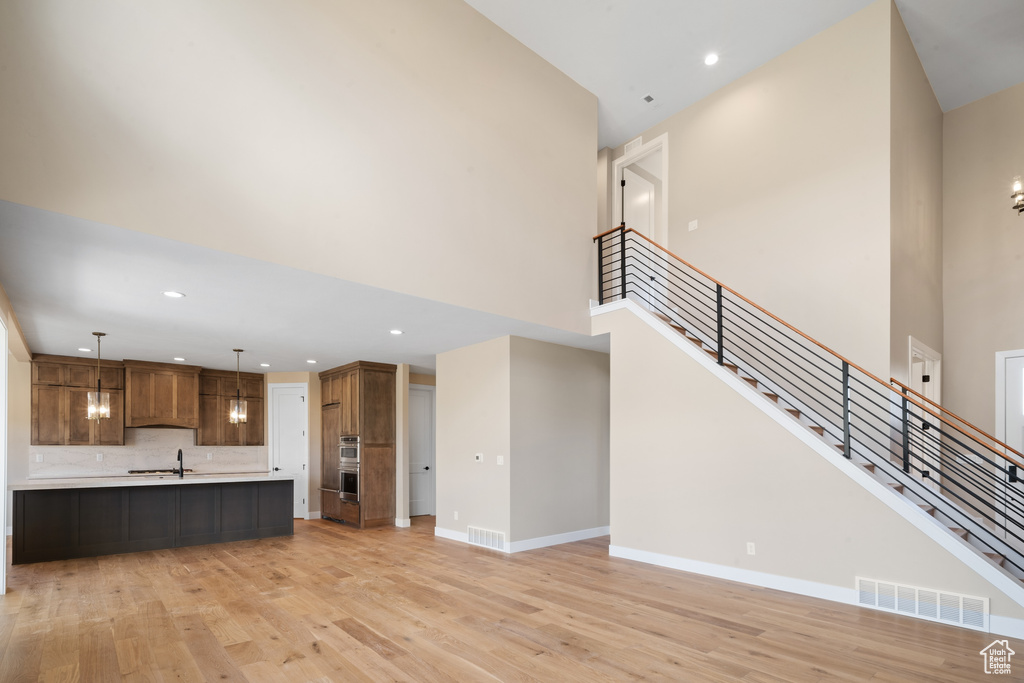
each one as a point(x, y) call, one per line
point(41, 483)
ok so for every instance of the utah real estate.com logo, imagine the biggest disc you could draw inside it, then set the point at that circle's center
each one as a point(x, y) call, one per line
point(997, 657)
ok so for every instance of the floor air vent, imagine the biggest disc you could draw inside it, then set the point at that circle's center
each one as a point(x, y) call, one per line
point(948, 608)
point(486, 538)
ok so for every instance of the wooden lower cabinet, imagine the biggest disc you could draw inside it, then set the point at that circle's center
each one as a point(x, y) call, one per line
point(58, 524)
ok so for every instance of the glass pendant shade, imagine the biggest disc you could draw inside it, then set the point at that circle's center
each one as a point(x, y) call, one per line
point(237, 408)
point(98, 401)
point(99, 405)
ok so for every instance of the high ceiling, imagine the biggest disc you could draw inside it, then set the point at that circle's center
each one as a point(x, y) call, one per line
point(623, 50)
point(67, 277)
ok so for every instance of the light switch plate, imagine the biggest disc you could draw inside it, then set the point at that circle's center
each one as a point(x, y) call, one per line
point(501, 459)
point(39, 457)
point(693, 225)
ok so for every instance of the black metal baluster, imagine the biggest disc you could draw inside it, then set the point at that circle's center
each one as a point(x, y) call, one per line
point(846, 409)
point(718, 301)
point(622, 257)
point(600, 270)
point(906, 434)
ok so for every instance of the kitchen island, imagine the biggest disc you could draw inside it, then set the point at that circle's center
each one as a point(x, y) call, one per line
point(57, 519)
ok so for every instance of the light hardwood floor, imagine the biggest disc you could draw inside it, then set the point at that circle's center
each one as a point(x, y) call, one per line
point(336, 604)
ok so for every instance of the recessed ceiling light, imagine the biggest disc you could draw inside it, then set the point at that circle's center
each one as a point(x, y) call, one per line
point(174, 295)
point(396, 332)
point(85, 350)
point(711, 59)
point(311, 361)
point(179, 359)
point(264, 365)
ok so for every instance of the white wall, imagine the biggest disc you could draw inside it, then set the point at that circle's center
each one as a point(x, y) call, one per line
point(559, 462)
point(474, 416)
point(543, 408)
point(983, 249)
point(787, 171)
point(916, 205)
point(697, 471)
point(417, 135)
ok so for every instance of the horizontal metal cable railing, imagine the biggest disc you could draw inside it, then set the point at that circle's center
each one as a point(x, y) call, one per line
point(968, 481)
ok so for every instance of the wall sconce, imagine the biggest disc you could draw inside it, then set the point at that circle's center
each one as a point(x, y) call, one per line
point(1017, 196)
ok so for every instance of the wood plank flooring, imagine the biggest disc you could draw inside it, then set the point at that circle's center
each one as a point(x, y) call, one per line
point(336, 604)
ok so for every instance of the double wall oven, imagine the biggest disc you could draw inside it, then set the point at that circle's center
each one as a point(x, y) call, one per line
point(341, 471)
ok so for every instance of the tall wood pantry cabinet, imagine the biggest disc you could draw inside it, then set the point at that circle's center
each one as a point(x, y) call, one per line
point(358, 399)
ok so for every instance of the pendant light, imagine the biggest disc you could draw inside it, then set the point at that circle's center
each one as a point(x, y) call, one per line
point(98, 401)
point(1017, 196)
point(237, 406)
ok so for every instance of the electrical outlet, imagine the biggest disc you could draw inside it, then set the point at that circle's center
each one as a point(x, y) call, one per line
point(750, 547)
point(209, 456)
point(501, 459)
point(479, 457)
point(456, 515)
point(39, 457)
point(99, 457)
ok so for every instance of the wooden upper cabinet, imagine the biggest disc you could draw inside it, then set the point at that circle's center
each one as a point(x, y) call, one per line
point(60, 385)
point(161, 395)
point(47, 415)
point(217, 388)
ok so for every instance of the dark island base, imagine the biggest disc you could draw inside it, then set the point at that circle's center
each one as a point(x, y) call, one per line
point(60, 524)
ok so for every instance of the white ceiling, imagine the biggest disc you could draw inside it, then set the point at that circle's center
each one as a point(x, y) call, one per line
point(622, 50)
point(67, 277)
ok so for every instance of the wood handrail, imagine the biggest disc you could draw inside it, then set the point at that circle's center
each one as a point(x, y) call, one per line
point(958, 418)
point(608, 232)
point(812, 340)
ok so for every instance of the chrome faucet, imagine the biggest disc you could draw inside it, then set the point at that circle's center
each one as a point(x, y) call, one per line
point(181, 466)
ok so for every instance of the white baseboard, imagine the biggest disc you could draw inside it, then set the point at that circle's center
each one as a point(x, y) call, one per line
point(313, 514)
point(460, 536)
point(557, 539)
point(748, 576)
point(403, 523)
point(1007, 626)
point(529, 543)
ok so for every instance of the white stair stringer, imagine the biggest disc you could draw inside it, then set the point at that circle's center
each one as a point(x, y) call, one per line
point(876, 483)
point(945, 510)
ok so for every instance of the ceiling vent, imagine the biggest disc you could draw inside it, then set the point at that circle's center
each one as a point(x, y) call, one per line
point(648, 99)
point(924, 603)
point(634, 144)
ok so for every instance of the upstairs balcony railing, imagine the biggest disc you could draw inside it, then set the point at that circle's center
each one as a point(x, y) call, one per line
point(936, 459)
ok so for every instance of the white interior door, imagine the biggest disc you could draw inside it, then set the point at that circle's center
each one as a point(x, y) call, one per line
point(639, 201)
point(925, 378)
point(1014, 403)
point(422, 474)
point(289, 440)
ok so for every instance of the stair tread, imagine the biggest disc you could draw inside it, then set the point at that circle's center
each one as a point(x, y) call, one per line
point(792, 411)
point(996, 557)
point(815, 428)
point(771, 396)
point(751, 381)
point(962, 533)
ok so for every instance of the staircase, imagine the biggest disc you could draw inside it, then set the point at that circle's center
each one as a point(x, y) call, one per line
point(964, 479)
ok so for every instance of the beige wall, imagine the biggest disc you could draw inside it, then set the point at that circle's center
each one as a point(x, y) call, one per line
point(417, 378)
point(697, 471)
point(916, 205)
point(16, 343)
point(544, 409)
point(474, 416)
point(312, 380)
point(19, 422)
point(983, 249)
point(416, 134)
point(559, 461)
point(787, 171)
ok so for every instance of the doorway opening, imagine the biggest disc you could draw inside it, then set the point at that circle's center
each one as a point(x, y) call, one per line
point(926, 379)
point(643, 201)
point(288, 431)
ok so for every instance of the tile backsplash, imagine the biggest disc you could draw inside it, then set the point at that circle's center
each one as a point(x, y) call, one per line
point(144, 449)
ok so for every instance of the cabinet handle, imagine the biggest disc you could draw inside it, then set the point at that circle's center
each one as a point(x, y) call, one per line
point(277, 469)
point(427, 468)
